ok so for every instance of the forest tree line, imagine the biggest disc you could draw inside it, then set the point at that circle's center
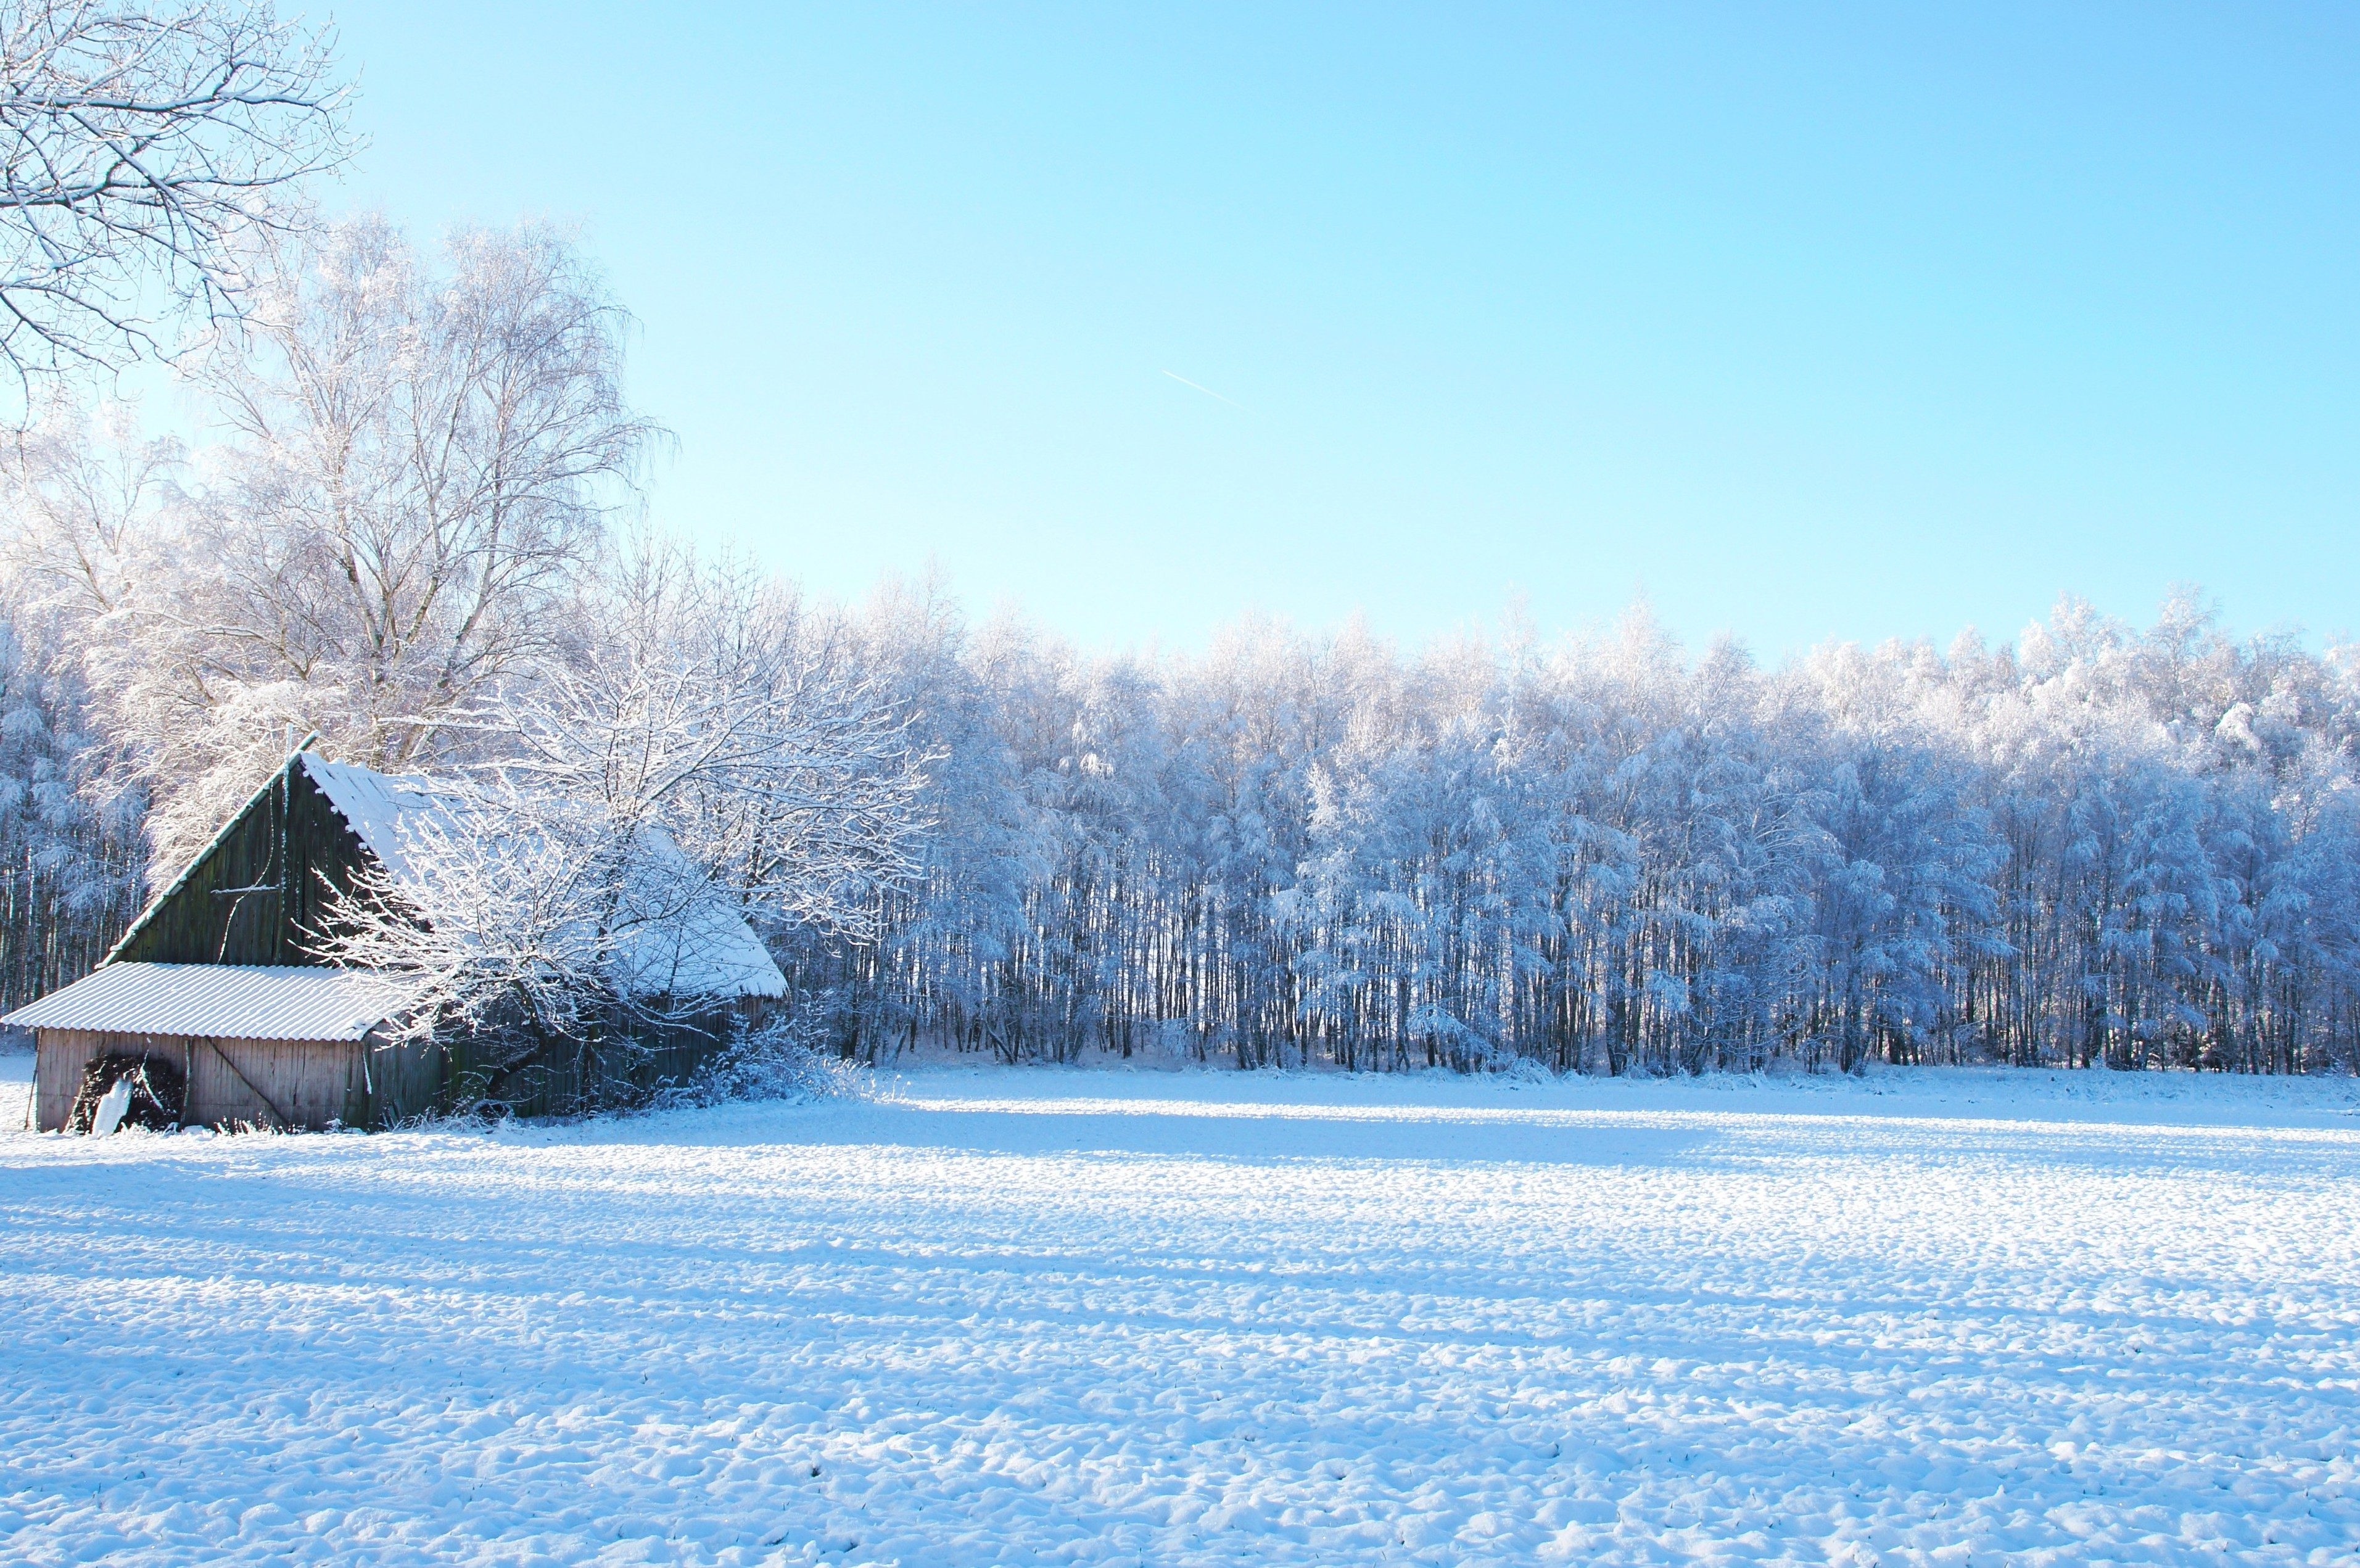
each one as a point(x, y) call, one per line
point(2095, 847)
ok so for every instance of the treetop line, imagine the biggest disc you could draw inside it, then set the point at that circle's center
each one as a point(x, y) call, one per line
point(2101, 848)
point(2098, 847)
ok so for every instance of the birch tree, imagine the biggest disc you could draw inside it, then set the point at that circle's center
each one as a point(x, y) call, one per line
point(417, 493)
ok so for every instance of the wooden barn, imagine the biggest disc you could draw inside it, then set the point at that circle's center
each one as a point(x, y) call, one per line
point(214, 979)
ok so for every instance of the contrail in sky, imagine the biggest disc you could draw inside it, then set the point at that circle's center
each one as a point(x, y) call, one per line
point(1207, 391)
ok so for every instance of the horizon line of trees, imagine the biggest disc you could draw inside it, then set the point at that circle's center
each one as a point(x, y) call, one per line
point(2098, 847)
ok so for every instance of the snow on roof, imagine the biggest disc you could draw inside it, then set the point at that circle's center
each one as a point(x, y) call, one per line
point(238, 1001)
point(375, 806)
point(716, 953)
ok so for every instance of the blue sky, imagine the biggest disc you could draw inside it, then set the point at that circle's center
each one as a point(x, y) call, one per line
point(1802, 323)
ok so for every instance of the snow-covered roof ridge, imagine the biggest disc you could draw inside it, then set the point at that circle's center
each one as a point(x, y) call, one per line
point(374, 806)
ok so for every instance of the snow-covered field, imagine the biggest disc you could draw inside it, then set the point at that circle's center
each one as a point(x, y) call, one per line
point(1112, 1318)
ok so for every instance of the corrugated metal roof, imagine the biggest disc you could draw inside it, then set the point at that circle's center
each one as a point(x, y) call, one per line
point(236, 1002)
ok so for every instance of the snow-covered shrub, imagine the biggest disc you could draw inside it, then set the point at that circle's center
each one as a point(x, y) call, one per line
point(785, 1057)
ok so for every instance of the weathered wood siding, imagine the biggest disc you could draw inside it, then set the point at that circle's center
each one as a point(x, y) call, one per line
point(404, 1080)
point(255, 894)
point(264, 1083)
point(568, 1079)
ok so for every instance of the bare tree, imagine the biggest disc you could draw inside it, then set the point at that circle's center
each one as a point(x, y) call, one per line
point(142, 147)
point(423, 468)
point(714, 757)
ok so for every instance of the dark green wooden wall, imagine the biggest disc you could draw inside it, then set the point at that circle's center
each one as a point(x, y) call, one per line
point(573, 1076)
point(254, 894)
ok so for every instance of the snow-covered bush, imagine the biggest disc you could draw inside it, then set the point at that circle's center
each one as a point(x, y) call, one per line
point(786, 1057)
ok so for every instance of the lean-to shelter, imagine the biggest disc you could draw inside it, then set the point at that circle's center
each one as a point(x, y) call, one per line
point(215, 978)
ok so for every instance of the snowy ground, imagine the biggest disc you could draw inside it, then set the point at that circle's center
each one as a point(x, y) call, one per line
point(1111, 1317)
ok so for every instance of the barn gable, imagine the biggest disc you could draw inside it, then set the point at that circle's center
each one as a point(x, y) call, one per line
point(250, 897)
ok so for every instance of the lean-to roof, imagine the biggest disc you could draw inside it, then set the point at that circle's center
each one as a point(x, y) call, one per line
point(223, 1001)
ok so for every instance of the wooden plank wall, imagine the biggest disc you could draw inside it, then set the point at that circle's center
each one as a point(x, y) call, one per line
point(372, 1083)
point(568, 1079)
point(281, 844)
point(404, 1080)
point(262, 1083)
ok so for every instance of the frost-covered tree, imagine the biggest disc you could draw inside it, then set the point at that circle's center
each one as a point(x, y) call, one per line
point(710, 703)
point(143, 149)
point(412, 504)
point(2101, 847)
point(707, 757)
point(69, 840)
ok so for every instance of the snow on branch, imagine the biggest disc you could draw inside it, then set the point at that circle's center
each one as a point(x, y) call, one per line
point(140, 146)
point(525, 919)
point(713, 760)
point(717, 710)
